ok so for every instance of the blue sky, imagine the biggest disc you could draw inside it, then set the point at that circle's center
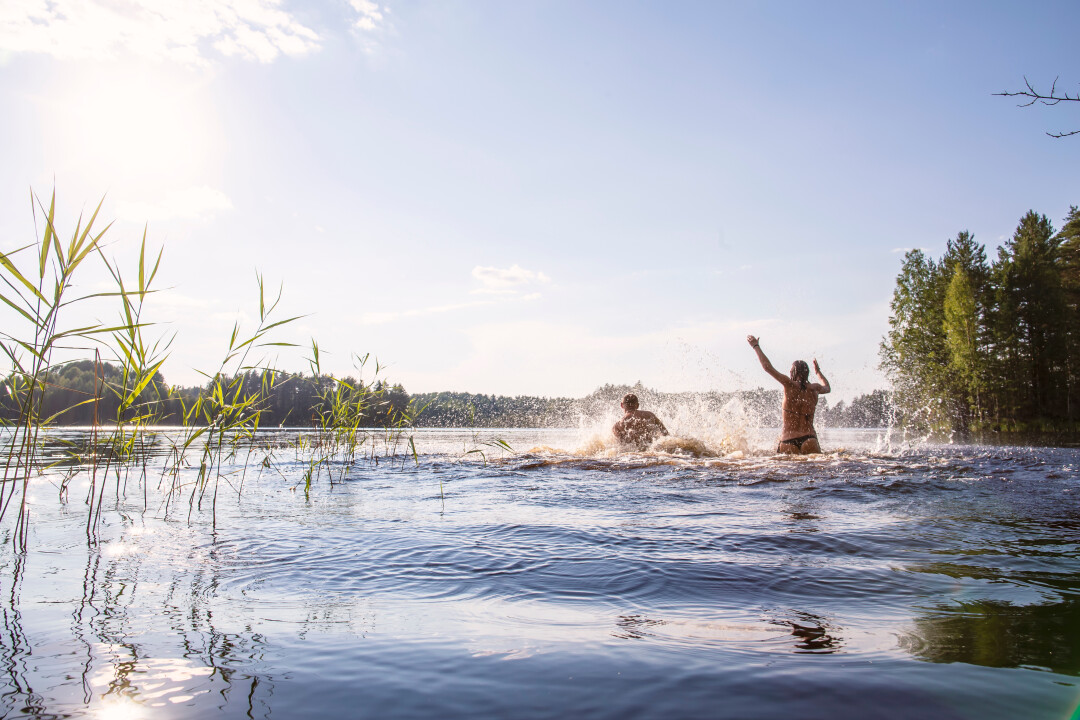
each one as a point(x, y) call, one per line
point(538, 197)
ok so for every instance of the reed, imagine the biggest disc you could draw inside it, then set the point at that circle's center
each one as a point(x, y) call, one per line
point(41, 297)
point(227, 415)
point(217, 426)
point(341, 415)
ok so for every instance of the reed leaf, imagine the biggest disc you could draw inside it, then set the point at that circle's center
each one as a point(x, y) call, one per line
point(6, 263)
point(143, 383)
point(50, 235)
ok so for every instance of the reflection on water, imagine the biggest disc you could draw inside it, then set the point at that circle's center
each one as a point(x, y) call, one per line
point(813, 634)
point(548, 582)
point(998, 634)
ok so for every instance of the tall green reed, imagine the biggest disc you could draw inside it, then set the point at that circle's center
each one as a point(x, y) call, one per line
point(346, 421)
point(228, 413)
point(352, 420)
point(41, 297)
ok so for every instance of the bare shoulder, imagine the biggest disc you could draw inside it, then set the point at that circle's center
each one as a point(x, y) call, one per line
point(819, 388)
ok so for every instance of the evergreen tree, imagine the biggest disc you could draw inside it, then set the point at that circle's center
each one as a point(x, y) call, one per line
point(1030, 310)
point(915, 353)
point(1069, 267)
point(961, 326)
point(970, 306)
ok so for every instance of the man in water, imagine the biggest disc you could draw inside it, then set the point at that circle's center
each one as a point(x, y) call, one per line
point(637, 427)
point(798, 436)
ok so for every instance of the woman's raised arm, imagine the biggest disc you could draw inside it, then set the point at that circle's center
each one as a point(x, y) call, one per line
point(765, 364)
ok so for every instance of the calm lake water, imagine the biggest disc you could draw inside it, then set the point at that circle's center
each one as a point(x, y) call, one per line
point(564, 579)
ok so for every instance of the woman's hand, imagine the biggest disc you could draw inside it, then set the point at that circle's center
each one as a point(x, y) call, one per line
point(753, 341)
point(817, 370)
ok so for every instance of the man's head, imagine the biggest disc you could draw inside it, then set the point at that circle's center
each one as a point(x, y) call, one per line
point(800, 372)
point(629, 402)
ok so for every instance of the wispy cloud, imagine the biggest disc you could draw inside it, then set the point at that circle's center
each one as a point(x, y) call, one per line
point(370, 23)
point(506, 281)
point(190, 32)
point(192, 203)
point(379, 318)
point(369, 15)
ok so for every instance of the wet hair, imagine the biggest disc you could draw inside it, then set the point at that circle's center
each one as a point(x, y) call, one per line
point(800, 373)
point(630, 401)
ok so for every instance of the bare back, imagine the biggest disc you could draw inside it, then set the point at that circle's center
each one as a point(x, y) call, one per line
point(638, 428)
point(799, 407)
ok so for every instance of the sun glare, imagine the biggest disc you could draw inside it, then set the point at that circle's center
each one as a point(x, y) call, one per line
point(143, 127)
point(120, 709)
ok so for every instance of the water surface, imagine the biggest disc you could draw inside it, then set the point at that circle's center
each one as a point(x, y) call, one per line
point(565, 579)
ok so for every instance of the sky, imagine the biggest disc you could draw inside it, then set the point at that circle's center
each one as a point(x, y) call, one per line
point(533, 197)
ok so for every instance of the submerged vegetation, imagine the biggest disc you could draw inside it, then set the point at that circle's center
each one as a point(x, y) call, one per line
point(977, 346)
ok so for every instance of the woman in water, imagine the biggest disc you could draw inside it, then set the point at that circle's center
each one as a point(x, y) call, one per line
point(800, 402)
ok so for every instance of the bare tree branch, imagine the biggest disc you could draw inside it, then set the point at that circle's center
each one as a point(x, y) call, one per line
point(1051, 98)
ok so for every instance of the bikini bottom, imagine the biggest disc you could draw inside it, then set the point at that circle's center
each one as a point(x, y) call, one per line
point(797, 441)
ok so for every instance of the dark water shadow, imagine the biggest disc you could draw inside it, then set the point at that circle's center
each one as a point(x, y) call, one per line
point(1000, 635)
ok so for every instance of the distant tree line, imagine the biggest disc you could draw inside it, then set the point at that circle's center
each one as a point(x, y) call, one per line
point(82, 393)
point(977, 345)
point(874, 409)
point(467, 410)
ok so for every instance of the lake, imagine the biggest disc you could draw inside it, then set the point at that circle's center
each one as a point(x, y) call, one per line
point(560, 579)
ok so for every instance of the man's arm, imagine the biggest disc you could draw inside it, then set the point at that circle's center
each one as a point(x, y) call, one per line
point(765, 364)
point(824, 387)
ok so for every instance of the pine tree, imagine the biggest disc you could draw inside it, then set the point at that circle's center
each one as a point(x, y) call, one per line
point(1069, 267)
point(961, 326)
point(971, 340)
point(1030, 311)
point(915, 353)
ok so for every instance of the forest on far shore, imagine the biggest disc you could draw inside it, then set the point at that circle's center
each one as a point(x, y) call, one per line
point(978, 345)
point(82, 393)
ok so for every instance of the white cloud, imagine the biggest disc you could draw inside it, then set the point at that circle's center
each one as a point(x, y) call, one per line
point(173, 300)
point(505, 281)
point(164, 30)
point(370, 14)
point(192, 203)
point(379, 318)
point(369, 24)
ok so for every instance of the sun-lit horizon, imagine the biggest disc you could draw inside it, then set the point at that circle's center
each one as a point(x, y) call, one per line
point(536, 199)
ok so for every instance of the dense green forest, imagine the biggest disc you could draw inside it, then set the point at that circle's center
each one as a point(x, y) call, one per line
point(978, 345)
point(82, 393)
